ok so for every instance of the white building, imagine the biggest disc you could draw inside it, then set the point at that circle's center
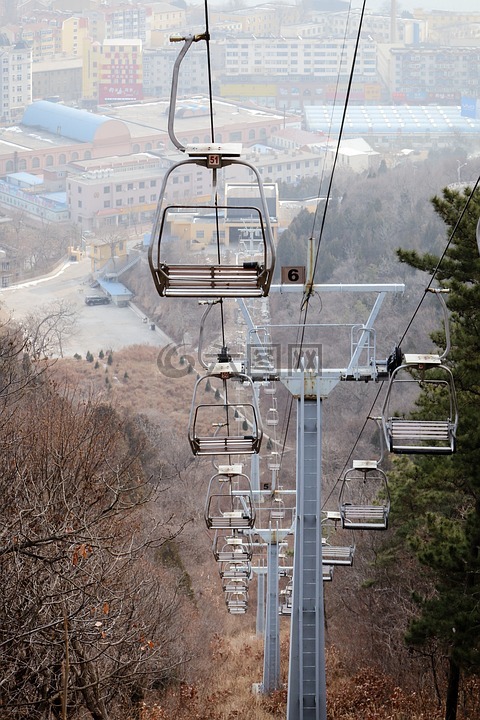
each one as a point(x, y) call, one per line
point(15, 79)
point(321, 58)
point(158, 70)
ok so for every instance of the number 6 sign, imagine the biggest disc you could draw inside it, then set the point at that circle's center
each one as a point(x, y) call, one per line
point(293, 274)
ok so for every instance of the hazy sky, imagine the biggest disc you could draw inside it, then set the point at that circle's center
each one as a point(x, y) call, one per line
point(452, 5)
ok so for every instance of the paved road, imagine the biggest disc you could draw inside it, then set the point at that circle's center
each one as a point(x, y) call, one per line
point(106, 327)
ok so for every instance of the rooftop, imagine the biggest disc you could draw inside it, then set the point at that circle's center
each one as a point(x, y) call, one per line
point(68, 122)
point(390, 120)
point(154, 115)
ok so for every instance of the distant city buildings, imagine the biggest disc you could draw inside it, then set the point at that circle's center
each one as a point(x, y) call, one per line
point(425, 74)
point(283, 57)
point(112, 71)
point(15, 78)
point(94, 154)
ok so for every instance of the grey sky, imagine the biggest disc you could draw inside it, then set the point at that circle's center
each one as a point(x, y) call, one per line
point(452, 5)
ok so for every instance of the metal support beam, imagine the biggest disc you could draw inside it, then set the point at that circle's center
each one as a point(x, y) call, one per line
point(260, 627)
point(306, 680)
point(271, 655)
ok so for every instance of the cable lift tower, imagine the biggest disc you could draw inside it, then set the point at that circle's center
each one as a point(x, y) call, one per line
point(309, 386)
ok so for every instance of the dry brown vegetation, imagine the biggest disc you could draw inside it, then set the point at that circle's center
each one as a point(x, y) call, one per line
point(226, 659)
point(226, 692)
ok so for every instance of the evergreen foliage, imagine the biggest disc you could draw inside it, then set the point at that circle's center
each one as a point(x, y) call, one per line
point(436, 501)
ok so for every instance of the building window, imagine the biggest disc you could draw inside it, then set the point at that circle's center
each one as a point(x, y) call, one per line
point(106, 189)
point(118, 188)
point(106, 204)
point(153, 183)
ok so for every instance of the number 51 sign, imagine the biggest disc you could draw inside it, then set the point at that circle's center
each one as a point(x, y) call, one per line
point(293, 275)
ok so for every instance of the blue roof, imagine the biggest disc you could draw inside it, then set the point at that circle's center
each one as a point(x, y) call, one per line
point(390, 119)
point(114, 288)
point(27, 178)
point(61, 120)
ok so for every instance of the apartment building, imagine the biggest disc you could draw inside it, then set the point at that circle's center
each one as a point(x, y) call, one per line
point(74, 31)
point(444, 27)
point(112, 71)
point(163, 21)
point(158, 70)
point(114, 192)
point(320, 58)
point(117, 22)
point(58, 77)
point(429, 74)
point(376, 26)
point(291, 72)
point(42, 31)
point(15, 78)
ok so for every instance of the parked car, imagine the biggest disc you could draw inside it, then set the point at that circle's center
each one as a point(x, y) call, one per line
point(97, 300)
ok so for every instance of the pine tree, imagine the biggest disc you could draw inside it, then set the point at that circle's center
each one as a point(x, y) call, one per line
point(436, 501)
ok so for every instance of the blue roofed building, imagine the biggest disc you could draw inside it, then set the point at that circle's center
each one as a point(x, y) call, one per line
point(427, 125)
point(27, 193)
point(77, 125)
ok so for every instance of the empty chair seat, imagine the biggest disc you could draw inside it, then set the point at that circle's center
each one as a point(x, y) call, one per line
point(327, 573)
point(200, 277)
point(213, 426)
point(231, 445)
point(421, 436)
point(232, 548)
point(234, 584)
point(337, 554)
point(229, 502)
point(434, 435)
point(363, 517)
point(364, 497)
point(246, 280)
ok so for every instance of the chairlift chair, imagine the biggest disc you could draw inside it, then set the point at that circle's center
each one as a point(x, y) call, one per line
point(234, 584)
point(247, 278)
point(269, 387)
point(327, 573)
point(206, 279)
point(229, 502)
point(287, 599)
point(235, 570)
point(334, 552)
point(364, 497)
point(212, 426)
point(273, 461)
point(272, 417)
point(434, 436)
point(232, 548)
point(277, 509)
point(337, 554)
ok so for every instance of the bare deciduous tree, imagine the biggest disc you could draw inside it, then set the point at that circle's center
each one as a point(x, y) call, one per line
point(89, 617)
point(47, 328)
